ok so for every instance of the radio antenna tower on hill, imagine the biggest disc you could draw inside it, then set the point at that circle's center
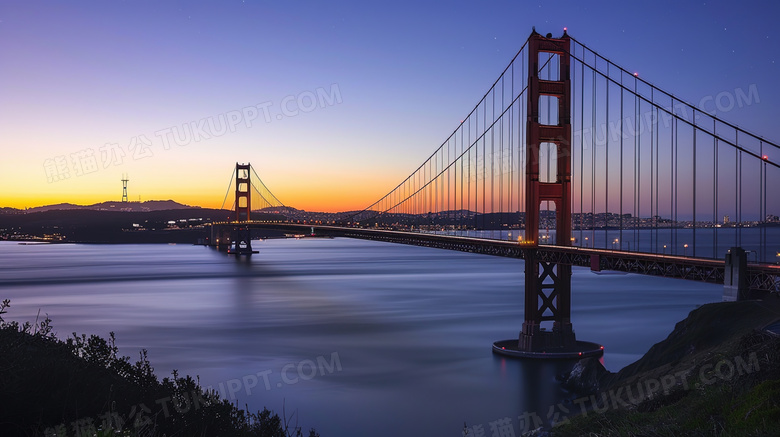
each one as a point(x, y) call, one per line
point(124, 187)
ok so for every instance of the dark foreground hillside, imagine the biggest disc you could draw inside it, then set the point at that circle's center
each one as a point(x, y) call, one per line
point(81, 387)
point(716, 374)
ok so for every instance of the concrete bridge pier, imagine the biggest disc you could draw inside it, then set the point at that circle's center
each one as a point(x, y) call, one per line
point(241, 241)
point(735, 284)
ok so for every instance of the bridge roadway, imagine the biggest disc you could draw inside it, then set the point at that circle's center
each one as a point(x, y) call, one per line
point(762, 277)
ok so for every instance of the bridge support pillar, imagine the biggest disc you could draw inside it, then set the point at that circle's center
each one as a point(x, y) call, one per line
point(241, 241)
point(735, 284)
point(595, 263)
point(547, 298)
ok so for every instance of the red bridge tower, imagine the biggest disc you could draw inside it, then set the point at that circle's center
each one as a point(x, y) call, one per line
point(548, 282)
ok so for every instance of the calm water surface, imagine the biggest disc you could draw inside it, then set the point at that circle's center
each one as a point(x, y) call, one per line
point(360, 337)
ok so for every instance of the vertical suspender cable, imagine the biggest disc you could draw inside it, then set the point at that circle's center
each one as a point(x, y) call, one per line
point(657, 178)
point(622, 121)
point(511, 138)
point(739, 193)
point(715, 188)
point(675, 183)
point(653, 213)
point(582, 140)
point(501, 157)
point(637, 196)
point(484, 165)
point(593, 151)
point(468, 178)
point(606, 163)
point(762, 206)
point(522, 137)
point(694, 181)
point(462, 218)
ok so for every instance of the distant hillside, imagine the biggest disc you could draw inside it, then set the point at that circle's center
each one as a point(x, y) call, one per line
point(277, 209)
point(84, 217)
point(182, 225)
point(288, 212)
point(59, 206)
point(294, 214)
point(150, 205)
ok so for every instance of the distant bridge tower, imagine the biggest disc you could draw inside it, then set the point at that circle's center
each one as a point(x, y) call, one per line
point(125, 180)
point(241, 236)
point(243, 187)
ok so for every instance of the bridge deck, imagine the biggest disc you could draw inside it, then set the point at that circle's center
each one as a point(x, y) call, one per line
point(760, 276)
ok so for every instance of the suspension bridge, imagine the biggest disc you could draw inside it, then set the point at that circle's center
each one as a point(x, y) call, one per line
point(571, 160)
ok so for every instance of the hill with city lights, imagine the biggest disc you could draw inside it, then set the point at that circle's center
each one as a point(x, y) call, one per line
point(167, 221)
point(113, 222)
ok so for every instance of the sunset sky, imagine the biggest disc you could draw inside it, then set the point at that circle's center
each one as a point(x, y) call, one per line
point(332, 102)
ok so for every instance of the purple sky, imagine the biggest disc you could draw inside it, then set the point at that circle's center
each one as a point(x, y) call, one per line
point(397, 77)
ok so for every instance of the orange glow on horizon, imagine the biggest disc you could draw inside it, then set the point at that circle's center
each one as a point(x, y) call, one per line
point(315, 190)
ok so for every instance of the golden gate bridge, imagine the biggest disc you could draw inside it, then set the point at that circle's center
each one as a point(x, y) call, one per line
point(571, 160)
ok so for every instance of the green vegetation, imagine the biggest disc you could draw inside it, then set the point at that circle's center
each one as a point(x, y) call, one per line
point(81, 387)
point(726, 373)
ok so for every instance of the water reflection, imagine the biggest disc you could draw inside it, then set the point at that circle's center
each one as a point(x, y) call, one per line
point(539, 390)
